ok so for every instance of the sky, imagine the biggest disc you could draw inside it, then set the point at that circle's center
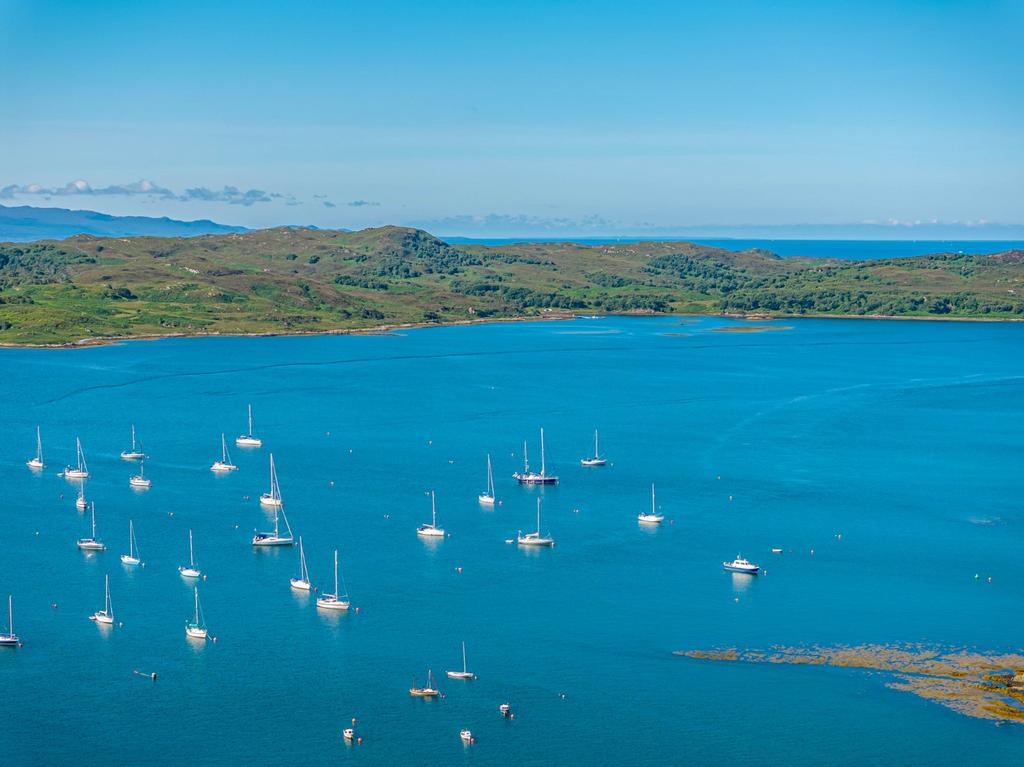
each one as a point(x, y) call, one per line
point(521, 118)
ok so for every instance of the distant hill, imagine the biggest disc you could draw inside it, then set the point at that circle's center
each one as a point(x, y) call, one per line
point(290, 280)
point(26, 223)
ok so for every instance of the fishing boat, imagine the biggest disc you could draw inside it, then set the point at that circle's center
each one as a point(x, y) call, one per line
point(431, 530)
point(302, 582)
point(139, 481)
point(430, 691)
point(132, 557)
point(191, 571)
point(37, 462)
point(248, 440)
point(80, 470)
point(527, 477)
point(196, 628)
point(91, 543)
point(135, 454)
point(337, 600)
point(597, 460)
point(224, 464)
point(276, 538)
point(467, 736)
point(9, 639)
point(740, 565)
point(535, 539)
point(272, 498)
point(465, 673)
point(106, 615)
point(486, 498)
point(654, 518)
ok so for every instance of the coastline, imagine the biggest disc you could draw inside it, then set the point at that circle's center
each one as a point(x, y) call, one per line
point(93, 341)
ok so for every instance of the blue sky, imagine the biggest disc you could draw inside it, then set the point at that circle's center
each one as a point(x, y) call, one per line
point(518, 118)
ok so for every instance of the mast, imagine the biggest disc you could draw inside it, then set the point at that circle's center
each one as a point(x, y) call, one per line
point(131, 538)
point(39, 446)
point(94, 520)
point(108, 608)
point(191, 562)
point(250, 419)
point(526, 459)
point(596, 453)
point(336, 574)
point(433, 510)
point(10, 614)
point(133, 438)
point(463, 657)
point(490, 477)
point(303, 571)
point(542, 451)
point(538, 517)
point(197, 604)
point(653, 512)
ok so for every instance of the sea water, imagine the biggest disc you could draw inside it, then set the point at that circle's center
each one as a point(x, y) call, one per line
point(884, 458)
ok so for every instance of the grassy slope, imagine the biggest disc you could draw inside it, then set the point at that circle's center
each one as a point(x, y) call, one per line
point(282, 280)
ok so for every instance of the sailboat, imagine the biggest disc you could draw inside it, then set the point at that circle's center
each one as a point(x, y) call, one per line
point(487, 497)
point(106, 615)
point(597, 460)
point(430, 691)
point(91, 543)
point(191, 571)
point(196, 628)
point(80, 470)
point(80, 502)
point(535, 539)
point(275, 538)
point(10, 639)
point(135, 454)
point(335, 601)
point(139, 480)
point(465, 673)
point(527, 477)
point(431, 530)
point(248, 440)
point(224, 464)
point(654, 518)
point(132, 557)
point(273, 497)
point(302, 582)
point(37, 462)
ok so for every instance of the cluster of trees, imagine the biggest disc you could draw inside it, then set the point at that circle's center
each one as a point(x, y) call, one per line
point(20, 264)
point(703, 275)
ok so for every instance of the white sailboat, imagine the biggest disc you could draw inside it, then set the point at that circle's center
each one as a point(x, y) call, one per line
point(654, 518)
point(9, 639)
point(106, 615)
point(139, 480)
point(135, 454)
point(486, 498)
point(132, 557)
point(302, 582)
point(535, 539)
point(80, 503)
point(275, 538)
point(80, 470)
point(37, 462)
point(597, 460)
point(92, 543)
point(191, 571)
point(465, 673)
point(248, 440)
point(527, 477)
point(273, 497)
point(224, 464)
point(431, 530)
point(337, 600)
point(196, 628)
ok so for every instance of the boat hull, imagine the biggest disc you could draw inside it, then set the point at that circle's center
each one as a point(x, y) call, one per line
point(194, 632)
point(593, 462)
point(486, 500)
point(269, 539)
point(189, 572)
point(300, 585)
point(75, 474)
point(90, 545)
point(35, 463)
point(535, 479)
point(535, 541)
point(330, 603)
point(103, 619)
point(270, 502)
point(9, 640)
point(220, 467)
point(650, 519)
point(430, 532)
point(130, 455)
point(140, 484)
point(425, 692)
point(460, 675)
point(128, 560)
point(248, 441)
point(80, 503)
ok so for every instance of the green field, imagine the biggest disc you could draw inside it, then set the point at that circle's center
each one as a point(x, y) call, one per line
point(290, 280)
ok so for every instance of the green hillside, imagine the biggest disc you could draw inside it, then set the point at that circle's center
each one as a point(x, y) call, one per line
point(296, 280)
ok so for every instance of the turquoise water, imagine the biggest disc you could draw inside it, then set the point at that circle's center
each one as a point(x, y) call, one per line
point(903, 437)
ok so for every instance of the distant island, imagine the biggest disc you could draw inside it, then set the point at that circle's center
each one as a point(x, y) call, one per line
point(24, 223)
point(295, 280)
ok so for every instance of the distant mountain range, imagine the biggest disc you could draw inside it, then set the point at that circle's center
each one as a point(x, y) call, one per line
point(26, 223)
